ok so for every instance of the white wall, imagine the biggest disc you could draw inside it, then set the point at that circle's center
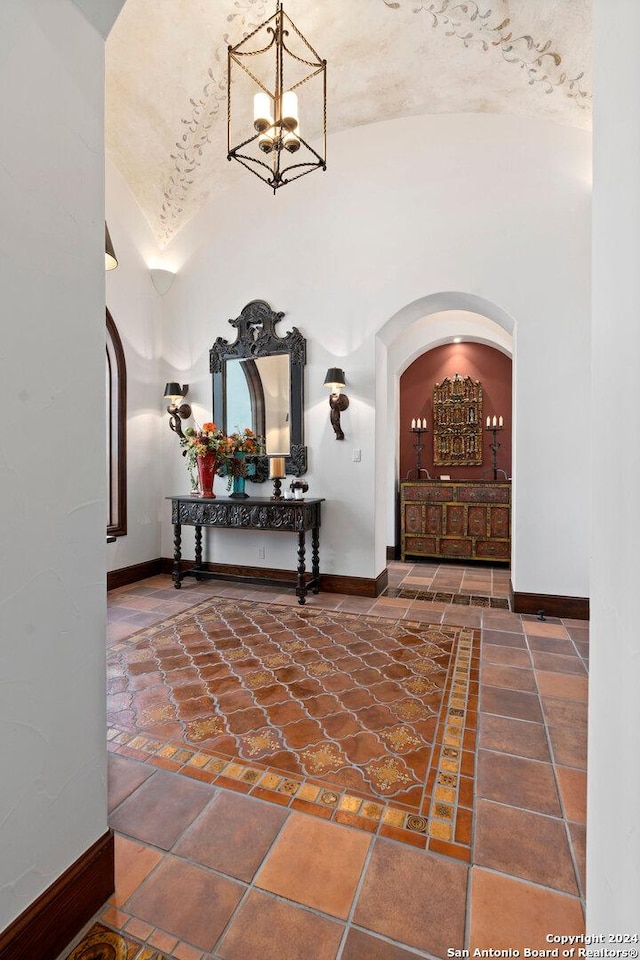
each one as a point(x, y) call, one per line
point(136, 308)
point(488, 206)
point(613, 830)
point(52, 477)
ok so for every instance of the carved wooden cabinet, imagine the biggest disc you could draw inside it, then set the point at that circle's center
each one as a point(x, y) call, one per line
point(456, 519)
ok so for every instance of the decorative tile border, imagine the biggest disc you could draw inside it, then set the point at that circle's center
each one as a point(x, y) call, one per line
point(443, 822)
point(438, 596)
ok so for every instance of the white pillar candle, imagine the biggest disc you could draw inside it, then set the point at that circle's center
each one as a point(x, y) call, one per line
point(424, 423)
point(499, 421)
point(413, 424)
point(495, 421)
point(488, 421)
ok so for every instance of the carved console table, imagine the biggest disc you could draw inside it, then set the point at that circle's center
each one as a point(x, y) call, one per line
point(255, 513)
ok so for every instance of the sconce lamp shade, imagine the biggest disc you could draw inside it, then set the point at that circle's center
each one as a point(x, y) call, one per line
point(110, 259)
point(334, 379)
point(173, 391)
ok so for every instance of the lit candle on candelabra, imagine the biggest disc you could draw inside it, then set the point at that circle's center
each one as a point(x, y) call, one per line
point(276, 473)
point(276, 468)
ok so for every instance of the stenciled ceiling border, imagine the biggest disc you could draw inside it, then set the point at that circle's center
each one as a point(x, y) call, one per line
point(194, 137)
point(540, 63)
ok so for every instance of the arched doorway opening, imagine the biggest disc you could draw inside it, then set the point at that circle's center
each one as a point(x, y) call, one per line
point(418, 327)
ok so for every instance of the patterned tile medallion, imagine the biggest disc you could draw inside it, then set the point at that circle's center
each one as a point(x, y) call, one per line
point(363, 719)
point(101, 943)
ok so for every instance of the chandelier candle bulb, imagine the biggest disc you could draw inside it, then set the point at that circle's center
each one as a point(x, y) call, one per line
point(276, 468)
point(262, 112)
point(290, 110)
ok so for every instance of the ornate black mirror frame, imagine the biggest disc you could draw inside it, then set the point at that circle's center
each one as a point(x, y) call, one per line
point(257, 337)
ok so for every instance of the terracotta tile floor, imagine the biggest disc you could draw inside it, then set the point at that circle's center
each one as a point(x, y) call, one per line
point(206, 868)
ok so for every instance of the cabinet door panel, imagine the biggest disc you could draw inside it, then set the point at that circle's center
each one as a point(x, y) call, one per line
point(434, 519)
point(499, 521)
point(414, 518)
point(455, 522)
point(477, 521)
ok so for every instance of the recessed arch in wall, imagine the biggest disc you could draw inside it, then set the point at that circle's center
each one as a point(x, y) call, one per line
point(417, 327)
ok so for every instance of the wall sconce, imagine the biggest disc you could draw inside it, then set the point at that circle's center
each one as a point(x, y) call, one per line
point(110, 259)
point(162, 280)
point(338, 401)
point(177, 411)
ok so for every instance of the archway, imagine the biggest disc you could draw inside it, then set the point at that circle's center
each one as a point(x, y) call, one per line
point(417, 327)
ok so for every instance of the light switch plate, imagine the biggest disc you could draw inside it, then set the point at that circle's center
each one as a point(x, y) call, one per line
point(356, 456)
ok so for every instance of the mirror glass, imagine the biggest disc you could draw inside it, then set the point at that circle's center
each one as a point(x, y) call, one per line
point(258, 396)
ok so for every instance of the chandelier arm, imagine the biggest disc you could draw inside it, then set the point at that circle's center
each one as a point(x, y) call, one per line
point(294, 56)
point(312, 167)
point(303, 38)
point(243, 156)
point(253, 32)
point(248, 72)
point(270, 182)
point(255, 53)
point(310, 77)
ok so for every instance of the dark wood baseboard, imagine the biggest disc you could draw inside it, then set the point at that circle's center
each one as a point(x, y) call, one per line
point(45, 928)
point(354, 586)
point(329, 582)
point(566, 608)
point(138, 571)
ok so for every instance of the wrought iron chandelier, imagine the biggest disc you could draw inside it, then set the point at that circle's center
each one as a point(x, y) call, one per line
point(267, 142)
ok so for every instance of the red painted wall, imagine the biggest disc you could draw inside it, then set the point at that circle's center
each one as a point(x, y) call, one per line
point(492, 368)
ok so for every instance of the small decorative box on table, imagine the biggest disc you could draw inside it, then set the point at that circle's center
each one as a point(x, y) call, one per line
point(255, 513)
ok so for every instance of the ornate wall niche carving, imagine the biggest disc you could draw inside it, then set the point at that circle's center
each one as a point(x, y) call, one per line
point(457, 422)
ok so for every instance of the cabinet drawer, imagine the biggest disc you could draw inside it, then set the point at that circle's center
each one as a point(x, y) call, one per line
point(433, 493)
point(421, 546)
point(492, 549)
point(484, 494)
point(455, 548)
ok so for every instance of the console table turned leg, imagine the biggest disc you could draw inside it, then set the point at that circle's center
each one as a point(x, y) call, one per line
point(300, 587)
point(198, 550)
point(177, 555)
point(315, 559)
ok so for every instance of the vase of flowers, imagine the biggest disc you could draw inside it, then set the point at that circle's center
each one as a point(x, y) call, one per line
point(206, 449)
point(241, 444)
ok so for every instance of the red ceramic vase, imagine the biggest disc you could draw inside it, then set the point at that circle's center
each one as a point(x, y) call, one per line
point(206, 474)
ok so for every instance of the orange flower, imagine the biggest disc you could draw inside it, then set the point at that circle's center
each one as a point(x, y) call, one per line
point(209, 427)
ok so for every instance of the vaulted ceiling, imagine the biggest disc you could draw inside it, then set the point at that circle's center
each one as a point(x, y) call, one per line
point(166, 77)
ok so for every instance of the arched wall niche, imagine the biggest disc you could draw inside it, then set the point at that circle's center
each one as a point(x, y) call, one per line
point(467, 358)
point(417, 327)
